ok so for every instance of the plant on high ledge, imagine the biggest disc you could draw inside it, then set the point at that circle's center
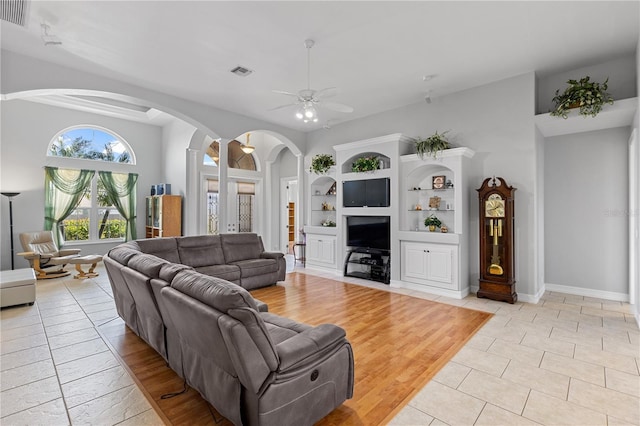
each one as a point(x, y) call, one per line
point(587, 95)
point(366, 164)
point(432, 222)
point(321, 163)
point(432, 145)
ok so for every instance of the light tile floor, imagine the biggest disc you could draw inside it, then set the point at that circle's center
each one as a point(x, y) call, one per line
point(569, 360)
point(55, 369)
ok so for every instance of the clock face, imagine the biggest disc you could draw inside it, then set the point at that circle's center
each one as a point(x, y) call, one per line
point(494, 206)
point(438, 182)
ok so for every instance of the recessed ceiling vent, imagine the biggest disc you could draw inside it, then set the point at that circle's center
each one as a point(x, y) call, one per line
point(241, 71)
point(15, 11)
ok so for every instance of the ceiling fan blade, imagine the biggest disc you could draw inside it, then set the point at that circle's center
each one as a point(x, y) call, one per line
point(283, 106)
point(283, 92)
point(336, 106)
point(328, 92)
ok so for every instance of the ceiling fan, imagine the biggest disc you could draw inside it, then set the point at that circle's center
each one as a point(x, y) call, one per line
point(307, 99)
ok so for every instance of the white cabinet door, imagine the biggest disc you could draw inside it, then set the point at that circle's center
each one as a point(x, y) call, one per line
point(313, 248)
point(439, 264)
point(327, 250)
point(414, 260)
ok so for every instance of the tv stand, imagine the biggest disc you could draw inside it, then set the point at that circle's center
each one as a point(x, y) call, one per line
point(370, 264)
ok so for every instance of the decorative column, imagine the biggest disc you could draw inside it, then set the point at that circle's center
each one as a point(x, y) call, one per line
point(193, 201)
point(223, 188)
point(267, 222)
point(300, 205)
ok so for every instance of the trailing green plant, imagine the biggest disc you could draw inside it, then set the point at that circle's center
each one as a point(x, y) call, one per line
point(432, 145)
point(321, 163)
point(432, 220)
point(366, 164)
point(589, 96)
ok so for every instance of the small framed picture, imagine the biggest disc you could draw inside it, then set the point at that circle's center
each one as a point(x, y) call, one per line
point(438, 182)
point(434, 203)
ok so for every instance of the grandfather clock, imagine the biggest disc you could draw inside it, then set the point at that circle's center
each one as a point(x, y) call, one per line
point(497, 277)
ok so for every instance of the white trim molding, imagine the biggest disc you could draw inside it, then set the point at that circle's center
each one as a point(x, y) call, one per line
point(589, 292)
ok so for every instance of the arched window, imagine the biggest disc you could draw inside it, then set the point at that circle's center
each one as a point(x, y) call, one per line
point(91, 143)
point(100, 206)
point(237, 159)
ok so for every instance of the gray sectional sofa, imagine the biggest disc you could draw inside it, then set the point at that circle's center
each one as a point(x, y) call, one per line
point(254, 367)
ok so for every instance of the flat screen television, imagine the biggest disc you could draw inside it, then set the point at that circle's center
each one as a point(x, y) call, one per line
point(372, 232)
point(368, 192)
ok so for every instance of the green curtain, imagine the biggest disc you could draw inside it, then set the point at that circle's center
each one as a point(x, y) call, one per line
point(121, 190)
point(63, 191)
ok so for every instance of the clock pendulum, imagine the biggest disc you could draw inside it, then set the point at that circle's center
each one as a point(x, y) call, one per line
point(495, 232)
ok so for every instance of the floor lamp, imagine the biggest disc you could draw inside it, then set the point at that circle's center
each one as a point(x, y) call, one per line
point(10, 196)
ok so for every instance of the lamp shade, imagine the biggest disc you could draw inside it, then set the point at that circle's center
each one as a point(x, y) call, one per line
point(247, 148)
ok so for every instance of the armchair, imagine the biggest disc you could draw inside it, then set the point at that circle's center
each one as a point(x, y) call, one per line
point(44, 256)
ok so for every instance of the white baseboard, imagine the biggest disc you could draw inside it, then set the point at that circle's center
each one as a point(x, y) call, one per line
point(454, 294)
point(579, 291)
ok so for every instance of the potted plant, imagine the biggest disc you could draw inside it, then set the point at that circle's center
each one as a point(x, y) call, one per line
point(366, 164)
point(587, 95)
point(432, 144)
point(432, 222)
point(321, 163)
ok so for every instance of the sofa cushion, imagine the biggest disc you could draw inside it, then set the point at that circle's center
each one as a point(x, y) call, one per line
point(169, 270)
point(203, 250)
point(123, 254)
point(215, 292)
point(147, 264)
point(254, 267)
point(240, 246)
point(165, 248)
point(226, 272)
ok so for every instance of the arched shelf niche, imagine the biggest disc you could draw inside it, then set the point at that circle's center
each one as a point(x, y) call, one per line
point(429, 189)
point(385, 161)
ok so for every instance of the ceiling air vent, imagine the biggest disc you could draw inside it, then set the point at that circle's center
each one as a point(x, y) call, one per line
point(15, 11)
point(241, 71)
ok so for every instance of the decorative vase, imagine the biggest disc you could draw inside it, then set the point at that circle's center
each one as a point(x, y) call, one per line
point(432, 228)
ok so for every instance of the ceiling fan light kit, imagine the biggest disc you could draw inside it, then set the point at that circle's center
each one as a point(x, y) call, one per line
point(308, 99)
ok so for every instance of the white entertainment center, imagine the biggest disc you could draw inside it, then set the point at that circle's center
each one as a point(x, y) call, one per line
point(416, 258)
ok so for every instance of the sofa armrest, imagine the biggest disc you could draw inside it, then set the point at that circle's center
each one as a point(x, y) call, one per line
point(68, 252)
point(262, 307)
point(271, 255)
point(29, 255)
point(307, 344)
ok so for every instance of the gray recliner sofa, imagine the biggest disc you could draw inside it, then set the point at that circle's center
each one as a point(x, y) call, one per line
point(253, 366)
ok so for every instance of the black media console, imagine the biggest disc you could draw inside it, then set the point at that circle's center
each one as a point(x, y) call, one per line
point(370, 264)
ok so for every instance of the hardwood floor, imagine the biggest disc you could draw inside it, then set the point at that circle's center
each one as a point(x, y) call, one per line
point(399, 344)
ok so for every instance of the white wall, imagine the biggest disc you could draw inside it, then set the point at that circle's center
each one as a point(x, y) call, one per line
point(27, 128)
point(176, 137)
point(585, 199)
point(636, 214)
point(496, 121)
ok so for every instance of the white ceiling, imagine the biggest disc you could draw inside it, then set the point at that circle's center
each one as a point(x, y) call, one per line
point(376, 52)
